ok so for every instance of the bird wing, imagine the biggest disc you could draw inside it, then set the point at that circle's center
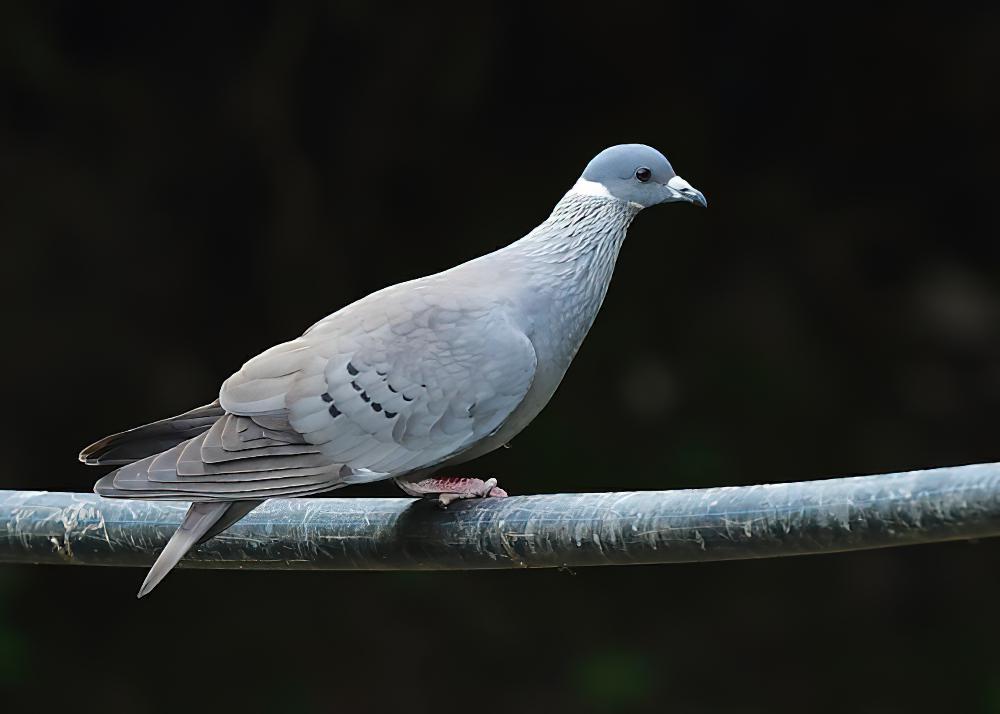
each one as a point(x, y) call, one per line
point(134, 444)
point(400, 381)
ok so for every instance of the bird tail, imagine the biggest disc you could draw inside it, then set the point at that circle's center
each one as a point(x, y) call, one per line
point(202, 521)
point(143, 441)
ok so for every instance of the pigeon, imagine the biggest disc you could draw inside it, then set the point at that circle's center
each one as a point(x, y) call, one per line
point(413, 378)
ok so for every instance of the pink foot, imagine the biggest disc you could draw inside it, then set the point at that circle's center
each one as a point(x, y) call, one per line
point(449, 490)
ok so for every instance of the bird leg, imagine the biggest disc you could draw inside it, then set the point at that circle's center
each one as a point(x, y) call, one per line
point(449, 490)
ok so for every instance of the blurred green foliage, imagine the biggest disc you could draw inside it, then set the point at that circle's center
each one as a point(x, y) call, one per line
point(613, 680)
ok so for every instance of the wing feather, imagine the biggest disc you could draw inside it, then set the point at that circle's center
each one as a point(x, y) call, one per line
point(356, 399)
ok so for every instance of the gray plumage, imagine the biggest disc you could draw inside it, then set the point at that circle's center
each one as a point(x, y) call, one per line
point(424, 374)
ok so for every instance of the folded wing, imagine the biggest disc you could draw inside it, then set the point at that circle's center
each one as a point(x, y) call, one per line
point(373, 394)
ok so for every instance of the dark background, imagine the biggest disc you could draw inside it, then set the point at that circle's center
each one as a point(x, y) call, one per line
point(183, 185)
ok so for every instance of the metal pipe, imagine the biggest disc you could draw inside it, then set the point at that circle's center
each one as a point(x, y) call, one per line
point(543, 531)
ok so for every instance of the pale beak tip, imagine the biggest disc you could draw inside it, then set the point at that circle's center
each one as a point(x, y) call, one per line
point(682, 190)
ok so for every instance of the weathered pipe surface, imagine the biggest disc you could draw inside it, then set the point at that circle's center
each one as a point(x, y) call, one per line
point(543, 531)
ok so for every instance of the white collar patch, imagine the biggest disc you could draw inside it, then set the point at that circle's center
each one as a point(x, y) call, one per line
point(583, 187)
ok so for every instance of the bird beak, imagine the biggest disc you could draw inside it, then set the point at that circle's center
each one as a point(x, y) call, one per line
point(681, 190)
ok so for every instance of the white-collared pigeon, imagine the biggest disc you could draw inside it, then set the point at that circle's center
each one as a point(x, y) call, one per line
point(418, 376)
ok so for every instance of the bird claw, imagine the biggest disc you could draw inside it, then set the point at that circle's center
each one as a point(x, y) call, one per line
point(448, 490)
point(482, 489)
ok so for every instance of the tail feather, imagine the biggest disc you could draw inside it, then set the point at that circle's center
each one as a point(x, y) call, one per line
point(201, 522)
point(237, 509)
point(142, 441)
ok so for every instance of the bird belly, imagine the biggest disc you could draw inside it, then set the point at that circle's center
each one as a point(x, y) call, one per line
point(544, 386)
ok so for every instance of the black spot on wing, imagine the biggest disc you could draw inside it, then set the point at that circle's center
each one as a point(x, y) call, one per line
point(326, 397)
point(351, 369)
point(389, 414)
point(391, 388)
point(334, 412)
point(376, 406)
point(365, 397)
point(357, 387)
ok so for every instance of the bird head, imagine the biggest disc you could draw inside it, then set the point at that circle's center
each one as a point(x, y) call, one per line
point(637, 174)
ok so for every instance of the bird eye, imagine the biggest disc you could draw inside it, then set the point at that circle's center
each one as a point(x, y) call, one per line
point(643, 174)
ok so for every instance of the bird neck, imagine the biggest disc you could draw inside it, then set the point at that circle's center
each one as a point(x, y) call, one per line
point(582, 229)
point(573, 252)
point(568, 261)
